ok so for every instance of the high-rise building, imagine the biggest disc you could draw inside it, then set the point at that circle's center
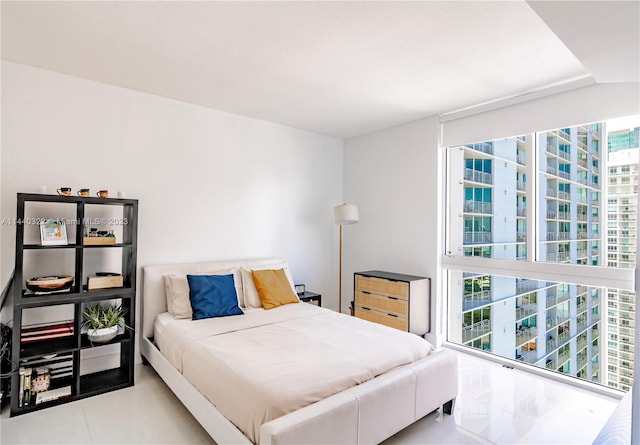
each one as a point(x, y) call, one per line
point(547, 324)
point(622, 201)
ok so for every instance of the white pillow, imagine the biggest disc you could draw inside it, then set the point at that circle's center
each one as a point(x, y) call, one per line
point(251, 297)
point(177, 291)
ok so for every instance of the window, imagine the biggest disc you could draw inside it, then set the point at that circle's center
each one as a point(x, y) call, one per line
point(545, 309)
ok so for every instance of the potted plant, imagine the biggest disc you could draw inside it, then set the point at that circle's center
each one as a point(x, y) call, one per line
point(102, 321)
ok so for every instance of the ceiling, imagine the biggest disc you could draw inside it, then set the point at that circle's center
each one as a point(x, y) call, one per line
point(337, 68)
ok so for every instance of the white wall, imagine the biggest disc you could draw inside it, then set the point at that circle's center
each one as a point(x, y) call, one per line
point(392, 175)
point(211, 185)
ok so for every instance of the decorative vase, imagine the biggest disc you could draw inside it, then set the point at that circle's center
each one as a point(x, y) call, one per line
point(102, 335)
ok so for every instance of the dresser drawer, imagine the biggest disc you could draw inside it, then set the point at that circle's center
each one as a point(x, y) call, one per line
point(381, 286)
point(383, 303)
point(382, 318)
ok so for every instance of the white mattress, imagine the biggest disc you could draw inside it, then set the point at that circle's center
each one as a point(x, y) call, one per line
point(264, 364)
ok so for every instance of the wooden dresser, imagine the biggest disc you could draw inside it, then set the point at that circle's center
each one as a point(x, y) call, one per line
point(396, 300)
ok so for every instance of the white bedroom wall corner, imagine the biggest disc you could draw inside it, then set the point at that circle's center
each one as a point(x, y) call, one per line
point(392, 175)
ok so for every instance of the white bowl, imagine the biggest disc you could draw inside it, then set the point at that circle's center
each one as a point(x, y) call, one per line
point(102, 335)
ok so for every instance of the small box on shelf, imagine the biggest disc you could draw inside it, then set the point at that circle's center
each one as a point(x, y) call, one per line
point(99, 240)
point(104, 281)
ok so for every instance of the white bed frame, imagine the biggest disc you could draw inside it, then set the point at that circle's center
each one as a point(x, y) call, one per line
point(366, 414)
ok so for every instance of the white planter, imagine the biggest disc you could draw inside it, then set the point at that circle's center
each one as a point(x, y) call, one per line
point(102, 335)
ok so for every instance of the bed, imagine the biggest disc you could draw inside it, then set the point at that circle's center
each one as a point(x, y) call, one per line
point(294, 374)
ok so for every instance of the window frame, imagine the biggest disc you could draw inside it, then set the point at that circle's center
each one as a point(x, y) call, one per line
point(600, 276)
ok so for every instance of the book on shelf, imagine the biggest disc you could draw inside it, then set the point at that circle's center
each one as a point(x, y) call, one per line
point(51, 360)
point(53, 394)
point(46, 331)
point(47, 292)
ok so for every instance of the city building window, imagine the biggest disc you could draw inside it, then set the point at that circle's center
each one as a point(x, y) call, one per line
point(548, 314)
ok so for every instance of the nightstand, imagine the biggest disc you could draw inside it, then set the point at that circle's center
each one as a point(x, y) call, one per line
point(310, 297)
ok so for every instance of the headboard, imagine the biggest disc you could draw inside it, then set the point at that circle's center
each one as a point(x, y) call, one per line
point(154, 300)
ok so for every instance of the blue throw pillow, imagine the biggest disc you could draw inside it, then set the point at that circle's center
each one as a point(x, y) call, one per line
point(213, 296)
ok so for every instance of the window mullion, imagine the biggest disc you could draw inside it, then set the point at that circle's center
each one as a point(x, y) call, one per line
point(532, 196)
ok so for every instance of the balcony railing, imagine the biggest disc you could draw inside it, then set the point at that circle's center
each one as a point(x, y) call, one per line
point(581, 343)
point(524, 285)
point(557, 320)
point(476, 299)
point(581, 362)
point(521, 186)
point(582, 324)
point(563, 337)
point(477, 207)
point(627, 298)
point(524, 335)
point(552, 300)
point(558, 236)
point(563, 357)
point(477, 176)
point(581, 307)
point(477, 237)
point(527, 356)
point(484, 147)
point(525, 311)
point(582, 144)
point(563, 256)
point(476, 330)
point(564, 195)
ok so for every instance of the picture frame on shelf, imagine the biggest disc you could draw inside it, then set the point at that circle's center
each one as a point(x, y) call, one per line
point(53, 232)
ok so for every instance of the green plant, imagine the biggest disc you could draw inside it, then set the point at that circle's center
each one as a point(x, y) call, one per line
point(99, 316)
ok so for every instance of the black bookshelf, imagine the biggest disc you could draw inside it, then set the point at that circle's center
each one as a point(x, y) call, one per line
point(40, 353)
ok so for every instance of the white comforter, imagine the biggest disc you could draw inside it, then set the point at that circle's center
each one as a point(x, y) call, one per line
point(264, 364)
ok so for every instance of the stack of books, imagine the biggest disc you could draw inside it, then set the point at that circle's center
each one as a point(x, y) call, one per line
point(44, 378)
point(46, 331)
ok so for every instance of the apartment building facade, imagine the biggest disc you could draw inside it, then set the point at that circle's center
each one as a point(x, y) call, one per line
point(622, 201)
point(552, 325)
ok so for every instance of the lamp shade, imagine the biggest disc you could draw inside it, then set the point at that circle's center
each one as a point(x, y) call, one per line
point(345, 214)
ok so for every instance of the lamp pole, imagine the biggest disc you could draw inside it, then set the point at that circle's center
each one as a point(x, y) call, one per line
point(344, 214)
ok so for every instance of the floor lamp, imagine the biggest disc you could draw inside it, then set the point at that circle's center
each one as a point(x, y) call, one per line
point(344, 214)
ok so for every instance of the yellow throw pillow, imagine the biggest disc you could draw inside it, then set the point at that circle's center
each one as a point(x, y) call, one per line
point(273, 288)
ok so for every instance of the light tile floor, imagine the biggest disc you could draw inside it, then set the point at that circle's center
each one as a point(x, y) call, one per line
point(496, 405)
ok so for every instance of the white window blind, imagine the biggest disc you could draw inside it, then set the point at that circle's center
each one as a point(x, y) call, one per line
point(592, 103)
